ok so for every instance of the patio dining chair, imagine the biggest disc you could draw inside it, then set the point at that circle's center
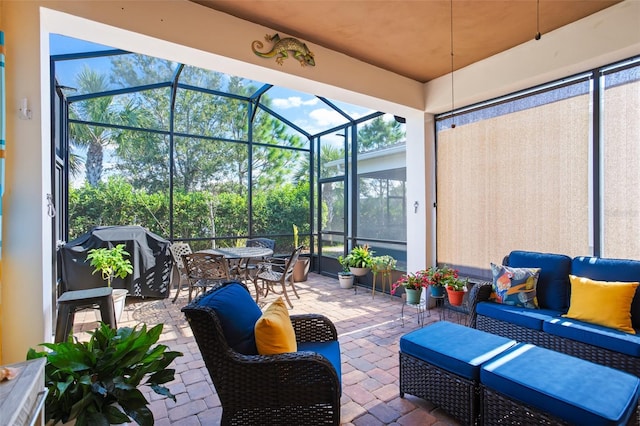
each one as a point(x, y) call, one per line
point(205, 270)
point(285, 388)
point(279, 271)
point(178, 273)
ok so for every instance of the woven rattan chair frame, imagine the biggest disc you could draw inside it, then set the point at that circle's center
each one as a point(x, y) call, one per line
point(205, 270)
point(279, 271)
point(178, 273)
point(458, 396)
point(499, 409)
point(300, 388)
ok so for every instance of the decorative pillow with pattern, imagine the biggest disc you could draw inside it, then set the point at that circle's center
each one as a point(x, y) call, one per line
point(515, 286)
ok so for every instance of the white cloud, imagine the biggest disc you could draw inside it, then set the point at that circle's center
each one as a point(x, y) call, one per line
point(293, 102)
point(325, 117)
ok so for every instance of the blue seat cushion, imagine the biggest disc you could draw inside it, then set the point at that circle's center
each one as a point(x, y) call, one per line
point(553, 287)
point(330, 350)
point(524, 317)
point(238, 313)
point(603, 269)
point(455, 348)
point(596, 335)
point(577, 391)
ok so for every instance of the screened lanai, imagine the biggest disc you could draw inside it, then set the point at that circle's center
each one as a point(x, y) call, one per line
point(211, 159)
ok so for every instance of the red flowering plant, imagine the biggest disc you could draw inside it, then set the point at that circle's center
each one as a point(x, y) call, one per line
point(411, 281)
point(442, 277)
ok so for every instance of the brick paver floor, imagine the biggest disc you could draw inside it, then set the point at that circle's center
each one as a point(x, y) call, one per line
point(369, 329)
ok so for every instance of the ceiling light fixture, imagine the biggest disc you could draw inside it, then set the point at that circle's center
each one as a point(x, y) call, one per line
point(538, 35)
point(453, 124)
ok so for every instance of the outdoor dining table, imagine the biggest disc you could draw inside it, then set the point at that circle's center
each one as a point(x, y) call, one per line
point(240, 255)
point(241, 252)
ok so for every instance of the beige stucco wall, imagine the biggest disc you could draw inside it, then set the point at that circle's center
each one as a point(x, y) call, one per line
point(186, 32)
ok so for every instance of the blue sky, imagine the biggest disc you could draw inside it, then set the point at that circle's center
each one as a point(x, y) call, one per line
point(305, 110)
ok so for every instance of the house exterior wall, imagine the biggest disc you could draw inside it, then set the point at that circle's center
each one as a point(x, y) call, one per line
point(186, 32)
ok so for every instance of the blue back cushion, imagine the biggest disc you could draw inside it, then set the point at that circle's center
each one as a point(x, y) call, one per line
point(602, 269)
point(238, 313)
point(554, 289)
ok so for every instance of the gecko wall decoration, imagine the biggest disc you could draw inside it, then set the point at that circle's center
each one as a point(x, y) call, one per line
point(282, 47)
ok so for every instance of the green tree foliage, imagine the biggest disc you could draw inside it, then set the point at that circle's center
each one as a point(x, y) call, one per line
point(379, 134)
point(91, 138)
point(198, 214)
point(213, 135)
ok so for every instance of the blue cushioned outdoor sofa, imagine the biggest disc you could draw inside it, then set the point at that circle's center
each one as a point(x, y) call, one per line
point(546, 327)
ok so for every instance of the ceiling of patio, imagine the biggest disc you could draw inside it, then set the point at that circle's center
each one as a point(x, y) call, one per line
point(412, 38)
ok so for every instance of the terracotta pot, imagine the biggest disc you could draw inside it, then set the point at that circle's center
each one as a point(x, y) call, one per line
point(455, 296)
point(301, 269)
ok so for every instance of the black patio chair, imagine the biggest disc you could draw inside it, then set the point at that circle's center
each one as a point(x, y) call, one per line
point(297, 388)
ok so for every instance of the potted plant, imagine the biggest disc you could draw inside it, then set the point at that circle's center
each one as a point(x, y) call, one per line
point(360, 259)
point(97, 382)
point(413, 283)
point(455, 291)
point(111, 263)
point(345, 277)
point(301, 268)
point(439, 277)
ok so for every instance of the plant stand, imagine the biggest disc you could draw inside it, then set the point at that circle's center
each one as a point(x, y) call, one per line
point(385, 277)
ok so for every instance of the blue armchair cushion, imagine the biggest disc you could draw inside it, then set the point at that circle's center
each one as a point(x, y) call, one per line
point(575, 390)
point(596, 335)
point(515, 286)
point(330, 350)
point(524, 317)
point(238, 313)
point(553, 287)
point(454, 348)
point(611, 270)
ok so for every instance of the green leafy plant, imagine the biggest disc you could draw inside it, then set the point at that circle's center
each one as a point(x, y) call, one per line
point(345, 265)
point(110, 262)
point(411, 281)
point(442, 276)
point(383, 263)
point(458, 284)
point(86, 379)
point(360, 257)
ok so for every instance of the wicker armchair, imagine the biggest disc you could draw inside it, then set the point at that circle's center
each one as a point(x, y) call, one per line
point(292, 388)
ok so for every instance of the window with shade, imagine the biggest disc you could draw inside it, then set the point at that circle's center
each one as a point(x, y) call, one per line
point(529, 172)
point(621, 162)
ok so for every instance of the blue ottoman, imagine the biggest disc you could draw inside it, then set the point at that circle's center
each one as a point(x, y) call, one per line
point(441, 363)
point(533, 385)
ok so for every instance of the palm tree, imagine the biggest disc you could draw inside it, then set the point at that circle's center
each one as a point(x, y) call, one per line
point(98, 110)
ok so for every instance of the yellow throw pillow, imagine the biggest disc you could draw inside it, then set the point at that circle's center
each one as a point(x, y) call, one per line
point(602, 302)
point(274, 332)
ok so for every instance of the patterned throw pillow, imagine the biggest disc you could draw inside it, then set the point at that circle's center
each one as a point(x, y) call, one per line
point(515, 286)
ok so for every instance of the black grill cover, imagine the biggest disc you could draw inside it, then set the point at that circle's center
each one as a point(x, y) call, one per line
point(150, 257)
